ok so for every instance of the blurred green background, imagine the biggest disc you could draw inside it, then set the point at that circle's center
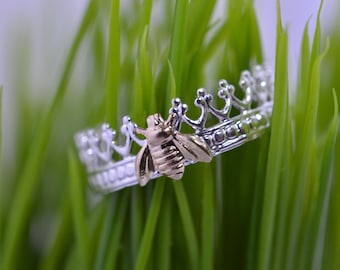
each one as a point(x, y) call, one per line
point(270, 204)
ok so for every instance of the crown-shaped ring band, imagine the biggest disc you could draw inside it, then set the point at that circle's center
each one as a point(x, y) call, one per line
point(164, 149)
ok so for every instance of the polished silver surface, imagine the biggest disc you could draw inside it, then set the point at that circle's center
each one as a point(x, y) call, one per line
point(165, 150)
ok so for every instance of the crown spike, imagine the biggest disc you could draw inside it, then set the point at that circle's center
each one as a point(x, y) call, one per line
point(176, 112)
point(201, 102)
point(225, 92)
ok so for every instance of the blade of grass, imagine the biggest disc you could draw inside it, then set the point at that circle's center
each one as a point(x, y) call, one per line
point(178, 44)
point(199, 17)
point(217, 39)
point(276, 151)
point(111, 254)
point(323, 200)
point(29, 179)
point(307, 231)
point(144, 96)
point(317, 35)
point(285, 187)
point(303, 82)
point(138, 97)
point(172, 88)
point(304, 153)
point(257, 203)
point(147, 11)
point(208, 217)
point(97, 218)
point(105, 233)
point(306, 60)
point(137, 221)
point(146, 92)
point(255, 45)
point(113, 66)
point(61, 244)
point(242, 28)
point(78, 205)
point(163, 260)
point(188, 224)
point(150, 226)
point(200, 13)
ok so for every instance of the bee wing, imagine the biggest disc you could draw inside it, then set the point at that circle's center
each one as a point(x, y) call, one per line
point(192, 147)
point(144, 165)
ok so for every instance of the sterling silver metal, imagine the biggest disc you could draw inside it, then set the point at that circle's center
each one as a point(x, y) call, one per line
point(165, 150)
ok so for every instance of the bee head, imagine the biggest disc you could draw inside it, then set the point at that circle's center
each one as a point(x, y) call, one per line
point(158, 129)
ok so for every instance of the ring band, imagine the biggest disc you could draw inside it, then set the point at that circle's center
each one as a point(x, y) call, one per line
point(167, 151)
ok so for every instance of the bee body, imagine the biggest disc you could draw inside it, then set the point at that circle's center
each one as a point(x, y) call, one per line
point(166, 150)
point(168, 160)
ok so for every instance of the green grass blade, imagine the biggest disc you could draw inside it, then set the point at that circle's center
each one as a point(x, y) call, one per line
point(62, 240)
point(303, 83)
point(208, 217)
point(113, 66)
point(307, 57)
point(150, 226)
point(279, 27)
point(137, 221)
point(29, 179)
point(172, 87)
point(147, 11)
point(188, 224)
point(255, 45)
point(304, 153)
point(178, 44)
point(78, 205)
point(144, 96)
point(317, 35)
point(104, 241)
point(146, 77)
point(257, 204)
point(323, 200)
point(200, 13)
point(276, 151)
point(285, 188)
point(243, 47)
point(111, 256)
point(199, 16)
point(164, 236)
point(96, 222)
point(138, 97)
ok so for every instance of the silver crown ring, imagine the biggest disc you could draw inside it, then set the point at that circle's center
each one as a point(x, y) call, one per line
point(164, 150)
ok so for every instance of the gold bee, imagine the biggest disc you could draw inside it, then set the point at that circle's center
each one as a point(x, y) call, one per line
point(166, 150)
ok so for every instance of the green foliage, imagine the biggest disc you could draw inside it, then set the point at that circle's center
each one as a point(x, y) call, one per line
point(270, 204)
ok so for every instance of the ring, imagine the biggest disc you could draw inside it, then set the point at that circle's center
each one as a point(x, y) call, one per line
point(164, 150)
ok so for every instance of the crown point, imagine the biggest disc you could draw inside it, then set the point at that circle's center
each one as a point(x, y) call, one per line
point(184, 108)
point(223, 83)
point(126, 119)
point(231, 88)
point(201, 92)
point(222, 93)
point(208, 98)
point(176, 102)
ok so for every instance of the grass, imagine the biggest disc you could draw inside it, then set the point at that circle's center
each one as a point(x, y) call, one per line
point(270, 204)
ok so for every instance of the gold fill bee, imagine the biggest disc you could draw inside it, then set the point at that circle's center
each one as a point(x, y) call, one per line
point(166, 150)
